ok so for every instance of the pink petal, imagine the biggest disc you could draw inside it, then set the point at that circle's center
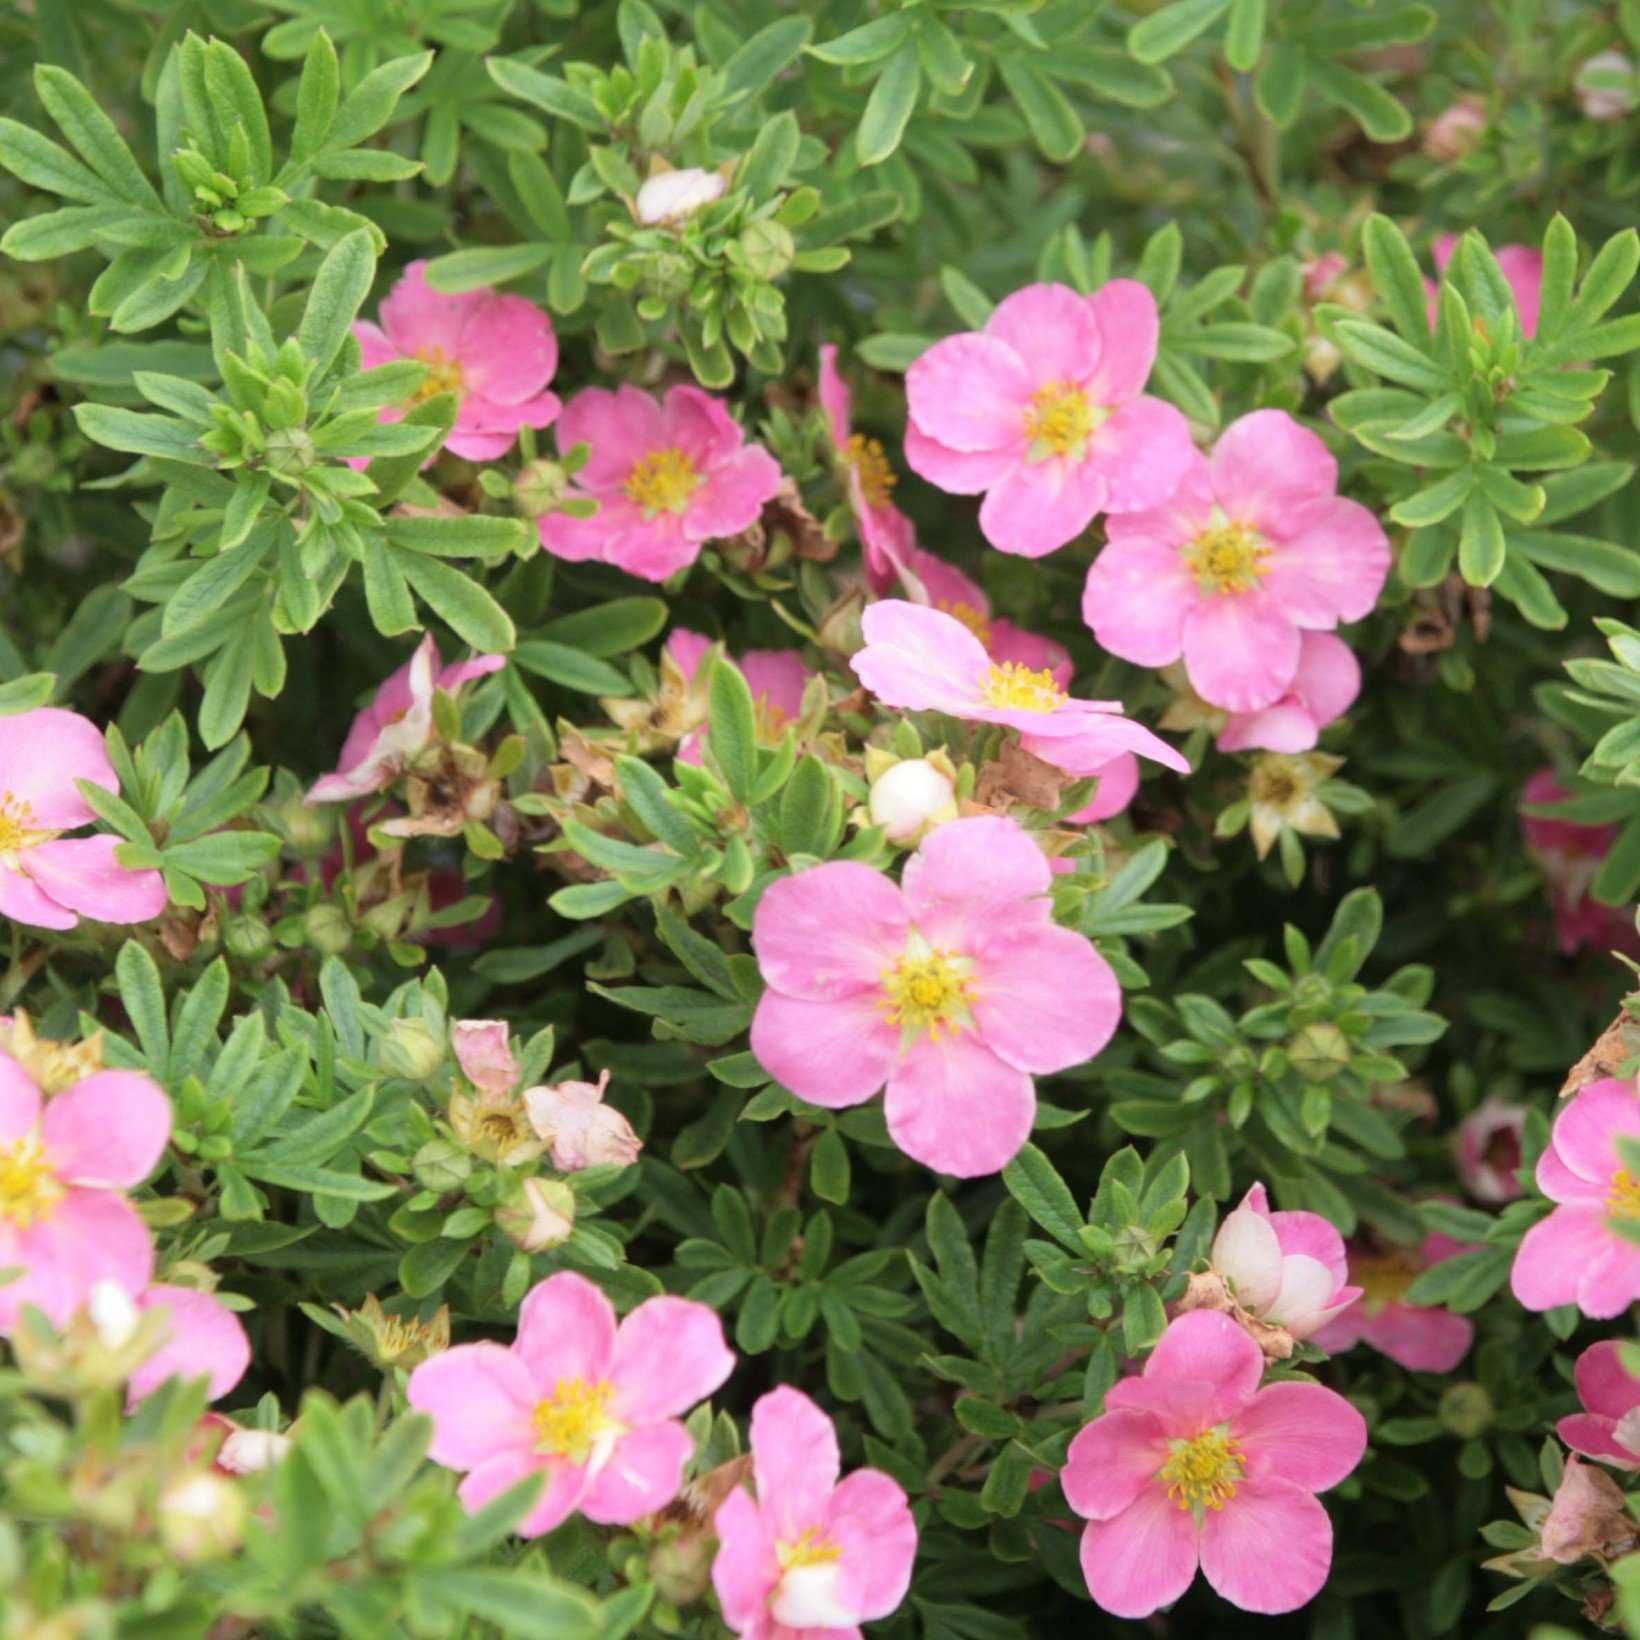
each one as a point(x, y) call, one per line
point(566, 1329)
point(967, 873)
point(1135, 600)
point(955, 1107)
point(1053, 330)
point(1210, 1348)
point(82, 874)
point(1240, 651)
point(1045, 998)
point(206, 1340)
point(1328, 677)
point(829, 932)
point(1560, 1184)
point(1610, 1282)
point(418, 318)
point(833, 1054)
point(1553, 1255)
point(653, 550)
point(1523, 268)
point(795, 1461)
point(486, 431)
point(1285, 727)
point(1118, 785)
point(1248, 1255)
point(699, 424)
point(91, 1236)
point(1312, 1235)
point(374, 346)
point(1300, 1433)
point(563, 1485)
point(1111, 1461)
point(480, 1398)
point(959, 472)
point(643, 1474)
point(733, 494)
point(1036, 654)
point(1333, 569)
point(22, 901)
point(1142, 452)
point(42, 754)
point(669, 1354)
point(508, 349)
point(1419, 1339)
point(970, 392)
point(1082, 740)
point(1124, 311)
point(1269, 1549)
point(617, 427)
point(484, 1054)
point(1038, 506)
point(887, 540)
point(835, 398)
point(870, 1520)
point(1142, 1559)
point(1604, 1384)
point(920, 659)
point(450, 678)
point(1265, 466)
point(687, 650)
point(19, 1101)
point(747, 1566)
point(1588, 1124)
point(108, 1131)
point(777, 676)
point(1596, 1438)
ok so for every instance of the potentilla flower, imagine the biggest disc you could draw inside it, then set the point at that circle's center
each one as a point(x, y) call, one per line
point(668, 476)
point(1521, 267)
point(495, 353)
point(203, 1338)
point(811, 1556)
point(1421, 1338)
point(1193, 1464)
point(1577, 1255)
point(1608, 1427)
point(922, 660)
point(592, 1406)
point(887, 539)
point(397, 724)
point(776, 678)
point(1044, 410)
point(582, 1130)
point(944, 587)
point(1570, 854)
point(64, 1165)
point(48, 880)
point(1323, 689)
point(1487, 1148)
point(483, 1050)
point(1254, 548)
point(1288, 1269)
point(953, 988)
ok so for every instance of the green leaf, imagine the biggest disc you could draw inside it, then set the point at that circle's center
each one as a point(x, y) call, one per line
point(339, 289)
point(732, 728)
point(372, 102)
point(572, 668)
point(485, 265)
point(1378, 114)
point(556, 96)
point(610, 628)
point(774, 48)
point(458, 600)
point(525, 1605)
point(870, 43)
point(317, 94)
point(92, 135)
point(889, 107)
point(829, 1168)
point(1055, 126)
point(1481, 542)
point(1396, 278)
point(1167, 32)
point(138, 434)
point(1244, 38)
point(1035, 1184)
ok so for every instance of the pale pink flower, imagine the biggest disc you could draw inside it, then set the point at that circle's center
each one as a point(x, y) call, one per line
point(1521, 267)
point(1487, 1148)
point(1588, 1516)
point(776, 678)
point(954, 989)
point(887, 538)
point(1421, 1338)
point(65, 1164)
point(397, 724)
point(668, 476)
point(944, 587)
point(48, 880)
point(1608, 1427)
point(812, 1556)
point(1577, 1255)
point(485, 1055)
point(1570, 854)
point(916, 658)
point(1254, 549)
point(1192, 1464)
point(203, 1339)
point(1287, 1268)
point(1044, 410)
point(1323, 689)
point(495, 353)
point(582, 1130)
point(1323, 272)
point(592, 1406)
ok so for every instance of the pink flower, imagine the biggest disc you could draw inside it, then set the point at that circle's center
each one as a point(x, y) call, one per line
point(1254, 549)
point(1419, 1338)
point(668, 477)
point(776, 677)
point(1285, 1268)
point(1521, 267)
point(64, 1165)
point(1457, 130)
point(1118, 785)
point(919, 659)
point(1488, 1151)
point(582, 1129)
point(48, 880)
point(932, 581)
point(1577, 1255)
point(495, 353)
point(887, 539)
point(1321, 274)
point(1323, 689)
point(953, 989)
point(1193, 1464)
point(1044, 410)
point(1570, 854)
point(592, 1406)
point(204, 1339)
point(397, 723)
point(812, 1556)
point(485, 1055)
point(1608, 1427)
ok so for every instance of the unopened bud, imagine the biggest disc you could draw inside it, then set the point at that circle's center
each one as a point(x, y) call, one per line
point(911, 798)
point(411, 1050)
point(671, 196)
point(247, 937)
point(768, 247)
point(326, 928)
point(538, 488)
point(1319, 1052)
point(1466, 1409)
point(540, 1216)
point(248, 1450)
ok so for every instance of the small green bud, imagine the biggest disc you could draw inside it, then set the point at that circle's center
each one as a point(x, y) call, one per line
point(538, 488)
point(326, 929)
point(248, 938)
point(1319, 1052)
point(769, 249)
point(411, 1050)
point(441, 1165)
point(1466, 1410)
point(291, 451)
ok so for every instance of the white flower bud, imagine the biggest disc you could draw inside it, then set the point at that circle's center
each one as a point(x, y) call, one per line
point(910, 797)
point(670, 196)
point(113, 1313)
point(247, 1450)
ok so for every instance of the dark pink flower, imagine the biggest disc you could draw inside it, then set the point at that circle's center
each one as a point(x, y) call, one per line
point(1418, 1337)
point(1608, 1427)
point(887, 539)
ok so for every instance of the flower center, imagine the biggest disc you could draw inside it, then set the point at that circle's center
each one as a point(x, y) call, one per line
point(1202, 1473)
point(928, 989)
point(813, 1548)
point(1278, 782)
point(1018, 687)
point(1228, 558)
point(18, 827)
point(444, 375)
point(1623, 1196)
point(574, 1419)
point(1060, 420)
point(663, 481)
point(870, 464)
point(1383, 1279)
point(976, 620)
point(500, 1127)
point(29, 1189)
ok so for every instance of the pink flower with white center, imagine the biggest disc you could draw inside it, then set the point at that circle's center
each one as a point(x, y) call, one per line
point(887, 539)
point(1286, 1268)
point(592, 1406)
point(944, 587)
point(1254, 549)
point(65, 1163)
point(1192, 1464)
point(582, 1130)
point(48, 880)
point(1570, 854)
point(953, 988)
point(1418, 1337)
point(1521, 267)
point(1608, 1427)
point(916, 658)
point(1323, 689)
point(1577, 1255)
point(668, 476)
point(1488, 1151)
point(776, 678)
point(495, 353)
point(1045, 411)
point(203, 1339)
point(812, 1556)
point(397, 724)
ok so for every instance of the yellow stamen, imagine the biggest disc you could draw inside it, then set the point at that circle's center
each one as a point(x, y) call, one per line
point(574, 1418)
point(1623, 1196)
point(1202, 1473)
point(976, 620)
point(18, 827)
point(29, 1189)
point(1018, 687)
point(663, 481)
point(1061, 420)
point(1228, 558)
point(444, 375)
point(813, 1548)
point(870, 464)
point(928, 989)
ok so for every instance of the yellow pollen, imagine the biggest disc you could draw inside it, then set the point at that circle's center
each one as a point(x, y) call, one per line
point(662, 481)
point(1623, 1196)
point(1228, 558)
point(877, 478)
point(976, 620)
point(1383, 1279)
point(1018, 687)
point(1202, 1473)
point(574, 1418)
point(444, 375)
point(813, 1548)
point(29, 1191)
point(1061, 420)
point(18, 827)
point(928, 991)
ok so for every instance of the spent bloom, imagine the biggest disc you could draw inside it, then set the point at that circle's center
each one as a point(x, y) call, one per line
point(1456, 130)
point(1323, 689)
point(591, 1405)
point(668, 475)
point(48, 880)
point(397, 724)
point(1287, 1269)
point(887, 539)
point(1254, 549)
point(922, 660)
point(1521, 267)
point(812, 1555)
point(1421, 1338)
point(776, 678)
point(1606, 89)
point(1589, 1517)
point(954, 988)
point(1608, 1427)
point(1192, 1464)
point(495, 353)
point(582, 1130)
point(1045, 411)
point(1487, 1148)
